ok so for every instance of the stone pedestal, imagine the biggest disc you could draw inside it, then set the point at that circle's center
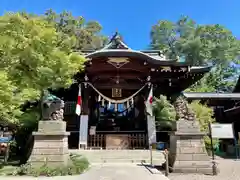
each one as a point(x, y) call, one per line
point(188, 149)
point(50, 144)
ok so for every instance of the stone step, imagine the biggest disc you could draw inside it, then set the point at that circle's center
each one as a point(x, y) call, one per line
point(121, 156)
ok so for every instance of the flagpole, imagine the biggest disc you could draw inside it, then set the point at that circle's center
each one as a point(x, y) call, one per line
point(78, 112)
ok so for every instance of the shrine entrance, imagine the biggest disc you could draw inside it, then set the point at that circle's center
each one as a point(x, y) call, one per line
point(117, 124)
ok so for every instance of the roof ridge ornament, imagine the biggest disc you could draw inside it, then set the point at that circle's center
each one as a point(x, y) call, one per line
point(116, 43)
point(118, 62)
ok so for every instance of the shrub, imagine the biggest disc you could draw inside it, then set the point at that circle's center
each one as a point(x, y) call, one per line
point(77, 165)
point(164, 112)
point(204, 115)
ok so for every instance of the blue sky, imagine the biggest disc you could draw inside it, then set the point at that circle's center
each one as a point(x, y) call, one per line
point(134, 18)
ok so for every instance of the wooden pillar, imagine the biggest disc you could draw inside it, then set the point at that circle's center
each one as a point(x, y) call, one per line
point(83, 128)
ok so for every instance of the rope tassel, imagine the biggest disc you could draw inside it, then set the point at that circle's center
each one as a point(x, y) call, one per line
point(103, 102)
point(99, 98)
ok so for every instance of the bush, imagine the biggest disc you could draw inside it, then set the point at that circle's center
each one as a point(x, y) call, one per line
point(164, 112)
point(77, 165)
point(204, 115)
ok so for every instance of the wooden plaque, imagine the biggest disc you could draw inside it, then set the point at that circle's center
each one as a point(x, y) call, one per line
point(117, 141)
point(116, 92)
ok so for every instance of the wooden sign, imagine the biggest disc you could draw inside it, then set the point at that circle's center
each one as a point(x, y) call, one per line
point(116, 92)
point(117, 141)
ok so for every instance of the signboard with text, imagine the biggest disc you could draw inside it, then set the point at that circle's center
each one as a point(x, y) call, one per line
point(222, 131)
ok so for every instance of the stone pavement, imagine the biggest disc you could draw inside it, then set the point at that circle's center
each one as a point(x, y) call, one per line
point(106, 172)
point(121, 172)
point(229, 170)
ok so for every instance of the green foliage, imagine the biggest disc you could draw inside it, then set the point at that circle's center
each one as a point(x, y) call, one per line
point(220, 79)
point(164, 112)
point(204, 115)
point(197, 43)
point(85, 35)
point(77, 165)
point(33, 57)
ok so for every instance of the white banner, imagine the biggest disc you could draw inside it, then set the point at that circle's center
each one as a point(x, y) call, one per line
point(222, 131)
point(151, 129)
point(83, 130)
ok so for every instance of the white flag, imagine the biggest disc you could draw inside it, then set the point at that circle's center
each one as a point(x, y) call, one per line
point(149, 101)
point(79, 101)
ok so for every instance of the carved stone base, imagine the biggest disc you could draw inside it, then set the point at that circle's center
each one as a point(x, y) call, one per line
point(50, 144)
point(188, 150)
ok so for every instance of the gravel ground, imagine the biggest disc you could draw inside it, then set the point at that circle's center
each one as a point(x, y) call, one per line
point(229, 170)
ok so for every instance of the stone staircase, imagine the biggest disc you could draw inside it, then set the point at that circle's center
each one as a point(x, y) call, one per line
point(121, 156)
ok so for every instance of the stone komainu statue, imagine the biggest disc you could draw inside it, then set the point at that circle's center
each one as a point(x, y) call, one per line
point(52, 108)
point(183, 111)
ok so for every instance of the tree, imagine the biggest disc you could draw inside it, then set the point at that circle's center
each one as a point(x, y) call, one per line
point(220, 79)
point(86, 35)
point(199, 45)
point(204, 115)
point(164, 112)
point(33, 58)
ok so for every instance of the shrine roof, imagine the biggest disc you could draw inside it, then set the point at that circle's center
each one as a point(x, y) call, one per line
point(117, 48)
point(200, 69)
point(156, 59)
point(218, 96)
point(233, 111)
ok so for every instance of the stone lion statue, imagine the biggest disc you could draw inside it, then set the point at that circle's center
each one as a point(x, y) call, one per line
point(52, 108)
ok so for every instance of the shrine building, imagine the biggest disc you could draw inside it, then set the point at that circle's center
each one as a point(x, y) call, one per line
point(115, 84)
